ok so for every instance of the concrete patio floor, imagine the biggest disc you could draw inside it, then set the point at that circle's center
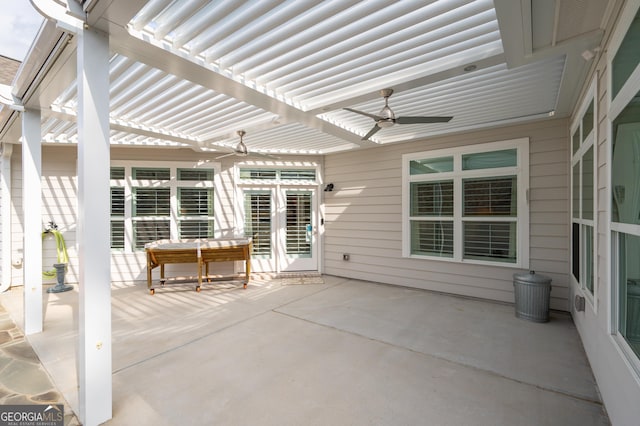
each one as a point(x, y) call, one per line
point(328, 351)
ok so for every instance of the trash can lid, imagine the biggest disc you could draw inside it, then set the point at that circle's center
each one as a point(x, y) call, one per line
point(532, 277)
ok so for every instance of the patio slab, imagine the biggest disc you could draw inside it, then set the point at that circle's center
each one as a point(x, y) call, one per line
point(341, 352)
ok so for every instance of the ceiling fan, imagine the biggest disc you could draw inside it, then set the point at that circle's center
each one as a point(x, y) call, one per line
point(386, 117)
point(241, 150)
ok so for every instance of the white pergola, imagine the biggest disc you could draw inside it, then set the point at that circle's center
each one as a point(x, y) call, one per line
point(178, 73)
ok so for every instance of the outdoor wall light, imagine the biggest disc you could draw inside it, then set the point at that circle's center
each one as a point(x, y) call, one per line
point(328, 188)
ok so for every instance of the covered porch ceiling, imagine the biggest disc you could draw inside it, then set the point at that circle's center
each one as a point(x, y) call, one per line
point(191, 73)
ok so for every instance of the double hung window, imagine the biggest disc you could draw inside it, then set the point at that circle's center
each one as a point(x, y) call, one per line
point(468, 204)
point(583, 163)
point(154, 202)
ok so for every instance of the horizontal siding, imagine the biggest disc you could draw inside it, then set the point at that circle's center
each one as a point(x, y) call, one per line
point(363, 217)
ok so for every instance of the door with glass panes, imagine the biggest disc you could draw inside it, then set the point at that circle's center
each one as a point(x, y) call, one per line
point(281, 222)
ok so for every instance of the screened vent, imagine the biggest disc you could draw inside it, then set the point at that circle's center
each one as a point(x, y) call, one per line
point(146, 231)
point(151, 202)
point(490, 196)
point(116, 173)
point(258, 221)
point(117, 234)
point(195, 228)
point(298, 217)
point(432, 238)
point(151, 173)
point(195, 175)
point(432, 198)
point(494, 241)
point(195, 201)
point(117, 201)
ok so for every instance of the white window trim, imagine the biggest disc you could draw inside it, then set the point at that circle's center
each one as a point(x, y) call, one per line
point(591, 141)
point(521, 170)
point(128, 183)
point(616, 106)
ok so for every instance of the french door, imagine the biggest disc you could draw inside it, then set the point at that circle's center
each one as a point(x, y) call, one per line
point(282, 223)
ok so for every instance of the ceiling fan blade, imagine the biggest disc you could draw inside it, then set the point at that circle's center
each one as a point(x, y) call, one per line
point(226, 155)
point(375, 117)
point(372, 132)
point(418, 120)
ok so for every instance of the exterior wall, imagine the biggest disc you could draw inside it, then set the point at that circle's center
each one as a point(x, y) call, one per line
point(59, 186)
point(619, 384)
point(59, 194)
point(363, 217)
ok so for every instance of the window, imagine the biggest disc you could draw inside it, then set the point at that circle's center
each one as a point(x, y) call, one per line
point(257, 205)
point(150, 203)
point(624, 113)
point(278, 175)
point(583, 165)
point(468, 204)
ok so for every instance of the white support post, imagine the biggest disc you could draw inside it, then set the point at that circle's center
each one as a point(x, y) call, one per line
point(95, 358)
point(32, 216)
point(5, 216)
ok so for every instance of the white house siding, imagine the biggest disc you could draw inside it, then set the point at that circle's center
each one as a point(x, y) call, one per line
point(59, 194)
point(59, 186)
point(363, 217)
point(618, 383)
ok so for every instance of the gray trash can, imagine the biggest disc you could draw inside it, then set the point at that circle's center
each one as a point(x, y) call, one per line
point(532, 292)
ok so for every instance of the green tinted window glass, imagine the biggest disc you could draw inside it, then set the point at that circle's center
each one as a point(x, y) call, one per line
point(431, 165)
point(587, 184)
point(629, 289)
point(625, 172)
point(575, 139)
point(587, 122)
point(627, 57)
point(575, 202)
point(490, 160)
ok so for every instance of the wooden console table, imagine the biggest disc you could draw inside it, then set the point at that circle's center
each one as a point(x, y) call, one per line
point(199, 251)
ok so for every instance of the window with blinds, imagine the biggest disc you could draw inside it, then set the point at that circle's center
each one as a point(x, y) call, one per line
point(154, 203)
point(257, 207)
point(117, 216)
point(298, 208)
point(484, 199)
point(465, 204)
point(195, 211)
point(431, 208)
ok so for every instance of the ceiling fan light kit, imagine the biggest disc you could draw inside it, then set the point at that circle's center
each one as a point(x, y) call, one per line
point(387, 118)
